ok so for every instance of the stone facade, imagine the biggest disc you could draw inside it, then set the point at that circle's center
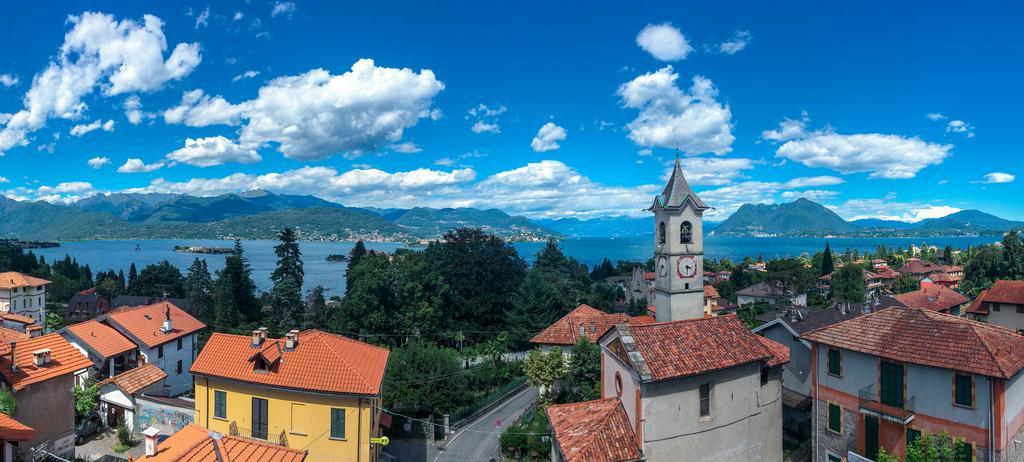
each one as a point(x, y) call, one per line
point(827, 441)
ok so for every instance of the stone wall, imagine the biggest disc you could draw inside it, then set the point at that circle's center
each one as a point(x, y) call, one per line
point(827, 440)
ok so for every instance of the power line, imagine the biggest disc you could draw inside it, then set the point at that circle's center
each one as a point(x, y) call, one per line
point(427, 422)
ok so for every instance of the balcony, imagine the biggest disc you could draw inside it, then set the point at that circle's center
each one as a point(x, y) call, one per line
point(280, 439)
point(888, 408)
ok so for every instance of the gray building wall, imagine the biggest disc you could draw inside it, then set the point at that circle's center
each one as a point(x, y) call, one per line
point(1007, 316)
point(630, 383)
point(745, 420)
point(796, 375)
point(49, 408)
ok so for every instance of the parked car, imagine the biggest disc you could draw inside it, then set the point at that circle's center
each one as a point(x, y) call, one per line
point(87, 425)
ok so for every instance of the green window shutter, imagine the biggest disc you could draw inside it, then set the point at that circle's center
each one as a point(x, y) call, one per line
point(338, 423)
point(220, 404)
point(835, 365)
point(964, 452)
point(963, 390)
point(892, 384)
point(835, 418)
point(912, 435)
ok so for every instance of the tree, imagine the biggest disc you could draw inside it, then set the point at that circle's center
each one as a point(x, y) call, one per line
point(199, 290)
point(423, 374)
point(158, 279)
point(982, 269)
point(234, 292)
point(542, 369)
point(1013, 257)
point(286, 295)
point(905, 283)
point(8, 403)
point(315, 309)
point(827, 266)
point(583, 378)
point(86, 398)
point(790, 274)
point(602, 270)
point(354, 256)
point(54, 321)
point(604, 297)
point(370, 307)
point(553, 286)
point(133, 278)
point(848, 284)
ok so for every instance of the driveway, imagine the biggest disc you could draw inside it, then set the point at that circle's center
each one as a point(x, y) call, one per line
point(478, 440)
point(99, 447)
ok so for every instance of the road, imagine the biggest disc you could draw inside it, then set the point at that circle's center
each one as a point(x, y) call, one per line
point(478, 440)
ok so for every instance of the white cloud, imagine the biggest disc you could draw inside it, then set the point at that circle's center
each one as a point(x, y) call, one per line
point(645, 153)
point(285, 8)
point(245, 75)
point(999, 177)
point(82, 129)
point(882, 156)
point(135, 165)
point(315, 115)
point(445, 161)
point(714, 171)
point(548, 137)
point(4, 179)
point(484, 127)
point(816, 195)
point(8, 80)
point(935, 116)
point(740, 39)
point(98, 162)
point(99, 51)
point(407, 147)
point(890, 209)
point(664, 42)
point(959, 126)
point(211, 151)
point(811, 181)
point(203, 18)
point(238, 16)
point(669, 117)
point(133, 110)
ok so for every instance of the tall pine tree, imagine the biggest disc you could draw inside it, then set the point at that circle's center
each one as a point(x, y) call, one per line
point(286, 296)
point(827, 266)
point(235, 293)
point(199, 290)
point(354, 256)
point(133, 277)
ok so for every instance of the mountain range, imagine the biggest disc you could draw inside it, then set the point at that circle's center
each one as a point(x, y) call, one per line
point(260, 215)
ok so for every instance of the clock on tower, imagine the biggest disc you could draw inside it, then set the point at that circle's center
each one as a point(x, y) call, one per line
point(678, 250)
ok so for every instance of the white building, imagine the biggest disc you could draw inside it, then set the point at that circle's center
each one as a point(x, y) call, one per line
point(23, 294)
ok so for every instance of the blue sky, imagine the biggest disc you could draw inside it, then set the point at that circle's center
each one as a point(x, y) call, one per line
point(903, 111)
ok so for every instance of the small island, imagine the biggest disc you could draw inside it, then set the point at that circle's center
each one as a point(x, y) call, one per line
point(201, 249)
point(337, 257)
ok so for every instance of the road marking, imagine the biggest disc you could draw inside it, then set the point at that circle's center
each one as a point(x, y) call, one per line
point(459, 433)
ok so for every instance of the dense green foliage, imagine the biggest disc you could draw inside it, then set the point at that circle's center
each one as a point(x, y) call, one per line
point(86, 398)
point(542, 369)
point(286, 304)
point(848, 284)
point(159, 279)
point(932, 448)
point(199, 290)
point(582, 380)
point(234, 293)
point(827, 266)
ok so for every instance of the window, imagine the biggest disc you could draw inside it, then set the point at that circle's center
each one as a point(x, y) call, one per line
point(661, 233)
point(764, 376)
point(179, 344)
point(891, 386)
point(705, 399)
point(159, 352)
point(220, 404)
point(685, 233)
point(260, 422)
point(834, 458)
point(963, 390)
point(964, 452)
point(835, 418)
point(835, 362)
point(995, 307)
point(178, 368)
point(1020, 309)
point(912, 435)
point(337, 424)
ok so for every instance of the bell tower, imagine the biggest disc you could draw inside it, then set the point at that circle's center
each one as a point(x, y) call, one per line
point(678, 250)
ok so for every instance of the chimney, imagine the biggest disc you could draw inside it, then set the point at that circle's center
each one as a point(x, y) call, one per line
point(926, 283)
point(34, 331)
point(263, 333)
point(14, 365)
point(167, 319)
point(291, 339)
point(152, 445)
point(41, 357)
point(257, 338)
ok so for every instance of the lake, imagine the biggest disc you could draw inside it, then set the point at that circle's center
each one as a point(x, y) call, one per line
point(119, 255)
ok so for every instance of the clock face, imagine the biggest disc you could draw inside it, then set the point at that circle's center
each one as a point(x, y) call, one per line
point(663, 266)
point(686, 267)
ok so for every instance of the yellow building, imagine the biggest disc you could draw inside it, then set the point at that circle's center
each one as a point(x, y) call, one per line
point(311, 391)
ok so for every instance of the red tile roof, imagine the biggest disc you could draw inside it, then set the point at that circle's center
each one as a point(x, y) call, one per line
point(12, 430)
point(10, 335)
point(1003, 291)
point(649, 276)
point(711, 292)
point(566, 331)
point(66, 359)
point(196, 444)
point(978, 306)
point(920, 267)
point(13, 279)
point(935, 298)
point(780, 352)
point(101, 338)
point(594, 431)
point(144, 323)
point(921, 336)
point(321, 362)
point(939, 276)
point(134, 380)
point(695, 346)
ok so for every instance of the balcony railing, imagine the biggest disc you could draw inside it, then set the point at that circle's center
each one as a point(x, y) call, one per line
point(280, 439)
point(886, 407)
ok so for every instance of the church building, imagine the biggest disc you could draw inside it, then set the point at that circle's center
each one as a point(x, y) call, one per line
point(689, 385)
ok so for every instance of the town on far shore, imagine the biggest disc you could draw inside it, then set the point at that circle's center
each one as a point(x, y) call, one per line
point(463, 349)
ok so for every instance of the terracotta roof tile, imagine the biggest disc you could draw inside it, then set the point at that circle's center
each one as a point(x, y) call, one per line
point(196, 444)
point(935, 298)
point(594, 431)
point(711, 292)
point(145, 323)
point(921, 336)
point(321, 362)
point(695, 346)
point(10, 335)
point(12, 279)
point(1006, 292)
point(19, 318)
point(66, 359)
point(101, 338)
point(133, 380)
point(566, 331)
point(920, 267)
point(978, 306)
point(780, 352)
point(12, 430)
